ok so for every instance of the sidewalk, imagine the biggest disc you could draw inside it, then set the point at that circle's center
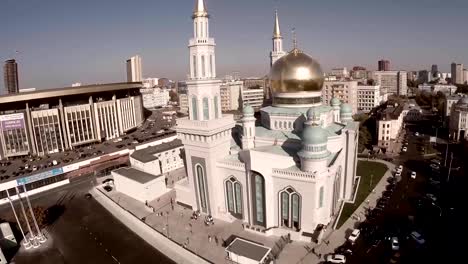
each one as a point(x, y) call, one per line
point(337, 237)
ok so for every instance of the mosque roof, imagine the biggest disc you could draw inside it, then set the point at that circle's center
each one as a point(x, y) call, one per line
point(272, 110)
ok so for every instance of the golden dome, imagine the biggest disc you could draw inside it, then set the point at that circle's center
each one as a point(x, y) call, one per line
point(296, 72)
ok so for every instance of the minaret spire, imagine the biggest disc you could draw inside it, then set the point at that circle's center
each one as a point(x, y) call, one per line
point(276, 30)
point(200, 9)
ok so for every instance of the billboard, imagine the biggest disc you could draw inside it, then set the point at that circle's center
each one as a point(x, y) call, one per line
point(40, 176)
point(12, 121)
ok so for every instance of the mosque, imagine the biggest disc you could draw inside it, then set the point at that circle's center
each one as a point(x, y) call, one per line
point(288, 171)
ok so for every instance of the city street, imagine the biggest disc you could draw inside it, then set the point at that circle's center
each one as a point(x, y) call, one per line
point(405, 212)
point(85, 232)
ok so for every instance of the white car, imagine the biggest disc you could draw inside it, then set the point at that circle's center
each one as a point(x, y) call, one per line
point(395, 243)
point(336, 258)
point(405, 149)
point(354, 235)
point(416, 134)
point(432, 197)
point(413, 175)
point(398, 174)
point(400, 168)
point(435, 167)
point(418, 238)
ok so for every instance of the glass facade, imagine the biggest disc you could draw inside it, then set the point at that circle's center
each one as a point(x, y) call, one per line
point(203, 66)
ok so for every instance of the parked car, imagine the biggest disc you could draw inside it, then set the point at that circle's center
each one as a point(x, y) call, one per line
point(418, 238)
point(405, 149)
point(416, 134)
point(354, 236)
point(431, 197)
point(413, 175)
point(336, 258)
point(434, 166)
point(395, 243)
point(107, 188)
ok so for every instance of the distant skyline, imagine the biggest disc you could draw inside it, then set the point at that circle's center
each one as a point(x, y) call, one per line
point(63, 42)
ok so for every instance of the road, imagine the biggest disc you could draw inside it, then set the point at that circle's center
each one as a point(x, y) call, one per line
point(402, 215)
point(85, 232)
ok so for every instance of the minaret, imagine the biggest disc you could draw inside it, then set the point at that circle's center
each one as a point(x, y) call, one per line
point(206, 133)
point(277, 51)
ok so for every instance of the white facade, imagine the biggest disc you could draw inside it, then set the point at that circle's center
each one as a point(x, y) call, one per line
point(447, 89)
point(252, 97)
point(134, 71)
point(392, 82)
point(231, 95)
point(154, 97)
point(340, 72)
point(139, 185)
point(183, 103)
point(450, 101)
point(158, 159)
point(277, 51)
point(346, 91)
point(459, 120)
point(368, 97)
point(150, 82)
point(390, 121)
point(457, 73)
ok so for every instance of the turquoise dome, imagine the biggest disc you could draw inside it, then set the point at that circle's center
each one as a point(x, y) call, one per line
point(335, 101)
point(313, 113)
point(248, 110)
point(346, 109)
point(314, 135)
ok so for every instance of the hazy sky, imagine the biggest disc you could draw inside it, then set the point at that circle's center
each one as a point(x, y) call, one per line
point(88, 41)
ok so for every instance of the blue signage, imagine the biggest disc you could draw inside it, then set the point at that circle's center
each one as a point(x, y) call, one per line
point(40, 176)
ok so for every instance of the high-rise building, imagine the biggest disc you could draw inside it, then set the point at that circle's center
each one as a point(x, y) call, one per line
point(10, 75)
point(253, 97)
point(423, 76)
point(457, 73)
point(465, 76)
point(345, 91)
point(391, 82)
point(434, 69)
point(368, 97)
point(384, 65)
point(359, 72)
point(134, 72)
point(340, 72)
point(231, 95)
point(277, 51)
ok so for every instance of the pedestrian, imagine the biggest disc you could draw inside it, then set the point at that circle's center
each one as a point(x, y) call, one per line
point(320, 255)
point(216, 240)
point(313, 251)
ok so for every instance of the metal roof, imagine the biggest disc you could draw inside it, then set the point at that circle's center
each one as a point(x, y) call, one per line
point(66, 91)
point(248, 249)
point(136, 175)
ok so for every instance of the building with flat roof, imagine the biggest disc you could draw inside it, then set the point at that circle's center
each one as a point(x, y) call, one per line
point(159, 159)
point(230, 95)
point(368, 97)
point(253, 97)
point(247, 252)
point(154, 97)
point(138, 184)
point(10, 76)
point(457, 73)
point(391, 82)
point(134, 71)
point(384, 65)
point(458, 125)
point(53, 120)
point(183, 103)
point(344, 90)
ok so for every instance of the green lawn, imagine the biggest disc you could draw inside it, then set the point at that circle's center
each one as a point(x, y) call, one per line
point(364, 169)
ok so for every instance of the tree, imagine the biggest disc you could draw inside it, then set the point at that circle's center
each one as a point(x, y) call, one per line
point(365, 138)
point(174, 97)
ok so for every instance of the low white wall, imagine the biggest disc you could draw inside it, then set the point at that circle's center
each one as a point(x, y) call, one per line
point(151, 236)
point(38, 190)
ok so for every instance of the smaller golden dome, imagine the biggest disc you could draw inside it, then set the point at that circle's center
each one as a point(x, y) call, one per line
point(296, 72)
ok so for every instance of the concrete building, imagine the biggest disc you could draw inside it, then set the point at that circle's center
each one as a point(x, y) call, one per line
point(154, 97)
point(10, 76)
point(134, 71)
point(458, 124)
point(391, 82)
point(139, 185)
point(183, 103)
point(359, 73)
point(447, 89)
point(412, 75)
point(289, 172)
point(450, 100)
point(384, 65)
point(340, 72)
point(49, 121)
point(345, 91)
point(158, 159)
point(231, 95)
point(457, 73)
point(252, 97)
point(465, 76)
point(277, 51)
point(150, 82)
point(389, 125)
point(368, 97)
point(424, 76)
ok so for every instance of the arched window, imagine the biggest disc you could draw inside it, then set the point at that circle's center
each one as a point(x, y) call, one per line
point(290, 206)
point(206, 109)
point(216, 106)
point(194, 108)
point(201, 187)
point(258, 198)
point(194, 61)
point(203, 65)
point(234, 197)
